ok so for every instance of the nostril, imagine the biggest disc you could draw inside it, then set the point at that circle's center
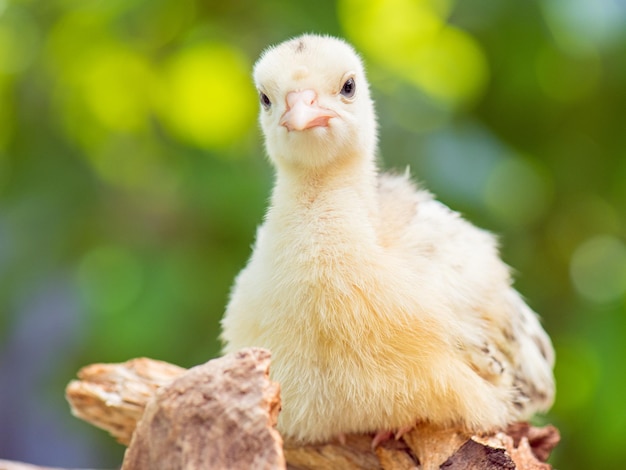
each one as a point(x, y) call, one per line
point(307, 97)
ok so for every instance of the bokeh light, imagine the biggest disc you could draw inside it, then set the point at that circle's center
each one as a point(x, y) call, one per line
point(19, 39)
point(412, 39)
point(580, 26)
point(518, 191)
point(460, 162)
point(208, 98)
point(116, 85)
point(598, 269)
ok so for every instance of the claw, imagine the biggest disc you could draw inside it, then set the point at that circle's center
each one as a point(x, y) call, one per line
point(402, 431)
point(380, 437)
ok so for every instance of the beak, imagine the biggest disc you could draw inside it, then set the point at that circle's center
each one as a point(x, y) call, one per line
point(303, 112)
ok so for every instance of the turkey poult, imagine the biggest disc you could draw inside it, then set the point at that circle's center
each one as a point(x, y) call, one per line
point(382, 307)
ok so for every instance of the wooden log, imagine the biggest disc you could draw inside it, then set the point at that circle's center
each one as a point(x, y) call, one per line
point(113, 396)
point(184, 413)
point(221, 414)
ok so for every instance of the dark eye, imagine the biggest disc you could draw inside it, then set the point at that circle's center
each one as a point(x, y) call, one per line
point(348, 88)
point(265, 101)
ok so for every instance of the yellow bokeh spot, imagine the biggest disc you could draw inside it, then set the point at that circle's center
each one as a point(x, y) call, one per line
point(452, 67)
point(105, 85)
point(411, 39)
point(208, 97)
point(390, 31)
point(117, 86)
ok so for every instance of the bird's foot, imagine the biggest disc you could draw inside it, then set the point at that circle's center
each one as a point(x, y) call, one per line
point(380, 437)
point(383, 436)
point(402, 431)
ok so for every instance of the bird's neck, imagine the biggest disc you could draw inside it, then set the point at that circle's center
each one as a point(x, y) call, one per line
point(349, 184)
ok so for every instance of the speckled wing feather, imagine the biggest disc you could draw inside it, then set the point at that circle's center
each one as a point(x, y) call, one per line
point(505, 344)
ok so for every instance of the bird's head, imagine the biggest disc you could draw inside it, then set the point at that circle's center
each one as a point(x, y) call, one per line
point(315, 103)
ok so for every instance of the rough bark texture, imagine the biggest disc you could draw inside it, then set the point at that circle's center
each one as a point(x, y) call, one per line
point(356, 453)
point(475, 456)
point(540, 440)
point(433, 446)
point(218, 415)
point(113, 396)
point(227, 408)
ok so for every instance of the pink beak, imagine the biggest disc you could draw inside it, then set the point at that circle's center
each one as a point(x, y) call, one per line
point(303, 112)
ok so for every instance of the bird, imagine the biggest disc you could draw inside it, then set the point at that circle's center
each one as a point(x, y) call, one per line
point(382, 307)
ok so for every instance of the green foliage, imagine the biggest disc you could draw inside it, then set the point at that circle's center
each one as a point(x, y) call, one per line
point(132, 177)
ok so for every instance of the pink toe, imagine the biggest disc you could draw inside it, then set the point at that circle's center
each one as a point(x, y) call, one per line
point(380, 437)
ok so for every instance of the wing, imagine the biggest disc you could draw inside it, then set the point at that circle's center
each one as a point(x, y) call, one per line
point(504, 342)
point(517, 353)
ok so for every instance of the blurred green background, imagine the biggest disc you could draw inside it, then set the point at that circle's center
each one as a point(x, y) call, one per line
point(132, 176)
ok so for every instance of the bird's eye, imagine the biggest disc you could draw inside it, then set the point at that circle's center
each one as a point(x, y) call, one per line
point(265, 101)
point(348, 88)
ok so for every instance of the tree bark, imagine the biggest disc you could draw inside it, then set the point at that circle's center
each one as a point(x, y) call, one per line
point(223, 412)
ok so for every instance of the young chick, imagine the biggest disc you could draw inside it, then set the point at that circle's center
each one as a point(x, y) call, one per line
point(381, 306)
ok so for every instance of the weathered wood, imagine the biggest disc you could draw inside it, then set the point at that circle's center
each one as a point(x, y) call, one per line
point(522, 454)
point(433, 446)
point(356, 453)
point(113, 396)
point(396, 455)
point(540, 440)
point(193, 415)
point(475, 456)
point(221, 414)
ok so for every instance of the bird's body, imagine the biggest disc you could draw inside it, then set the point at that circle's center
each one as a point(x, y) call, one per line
point(381, 306)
